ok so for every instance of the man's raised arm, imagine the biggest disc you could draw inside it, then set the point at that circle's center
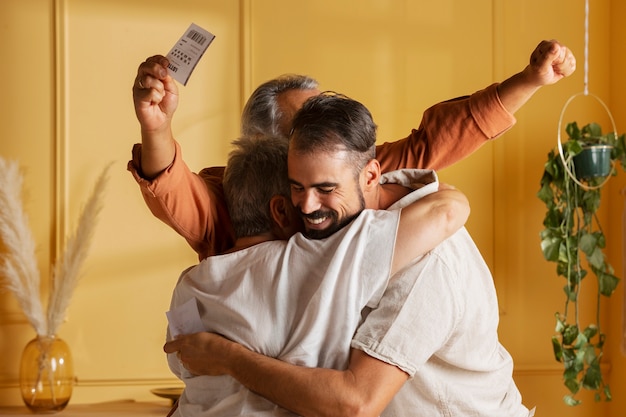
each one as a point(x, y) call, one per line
point(155, 96)
point(454, 129)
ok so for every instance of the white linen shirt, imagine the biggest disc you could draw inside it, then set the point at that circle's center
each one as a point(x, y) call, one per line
point(438, 322)
point(299, 301)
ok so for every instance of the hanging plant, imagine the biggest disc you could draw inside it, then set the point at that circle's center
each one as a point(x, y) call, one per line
point(571, 230)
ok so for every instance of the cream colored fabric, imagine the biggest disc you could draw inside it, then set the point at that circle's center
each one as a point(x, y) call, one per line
point(299, 301)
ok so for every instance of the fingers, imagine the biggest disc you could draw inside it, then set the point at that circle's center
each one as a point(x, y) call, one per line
point(181, 348)
point(151, 73)
point(560, 58)
point(546, 51)
point(549, 63)
point(565, 64)
point(173, 346)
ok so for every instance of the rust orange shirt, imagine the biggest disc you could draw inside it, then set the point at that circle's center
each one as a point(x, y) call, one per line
point(194, 205)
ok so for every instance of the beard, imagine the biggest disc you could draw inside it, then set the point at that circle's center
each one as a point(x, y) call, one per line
point(337, 223)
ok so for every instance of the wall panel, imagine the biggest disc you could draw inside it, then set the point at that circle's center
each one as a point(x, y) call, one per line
point(136, 259)
point(26, 132)
point(617, 214)
point(116, 321)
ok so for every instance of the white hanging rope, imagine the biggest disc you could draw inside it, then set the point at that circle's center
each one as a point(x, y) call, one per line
point(586, 75)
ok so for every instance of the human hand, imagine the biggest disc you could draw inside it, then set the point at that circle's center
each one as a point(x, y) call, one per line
point(549, 63)
point(155, 94)
point(200, 353)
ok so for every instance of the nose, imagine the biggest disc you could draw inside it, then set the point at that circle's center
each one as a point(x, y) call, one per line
point(308, 202)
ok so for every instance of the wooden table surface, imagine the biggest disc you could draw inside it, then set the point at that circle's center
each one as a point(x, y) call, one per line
point(115, 408)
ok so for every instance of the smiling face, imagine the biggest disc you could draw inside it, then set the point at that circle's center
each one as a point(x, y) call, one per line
point(325, 189)
point(332, 164)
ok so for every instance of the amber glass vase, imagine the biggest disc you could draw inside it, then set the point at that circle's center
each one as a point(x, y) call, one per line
point(46, 374)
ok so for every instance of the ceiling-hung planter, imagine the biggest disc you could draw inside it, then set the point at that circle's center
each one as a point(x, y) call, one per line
point(574, 239)
point(593, 161)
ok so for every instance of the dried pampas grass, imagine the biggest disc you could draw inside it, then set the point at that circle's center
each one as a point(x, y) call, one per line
point(18, 267)
point(67, 266)
point(18, 264)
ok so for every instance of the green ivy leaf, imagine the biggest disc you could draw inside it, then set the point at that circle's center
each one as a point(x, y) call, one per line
point(572, 384)
point(592, 130)
point(589, 355)
point(557, 348)
point(570, 400)
point(596, 259)
point(590, 201)
point(588, 243)
point(569, 356)
point(607, 283)
point(580, 343)
point(551, 247)
point(545, 194)
point(560, 323)
point(573, 147)
point(592, 378)
point(590, 331)
point(573, 131)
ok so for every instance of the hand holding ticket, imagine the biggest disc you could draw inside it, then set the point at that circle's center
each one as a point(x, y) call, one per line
point(187, 52)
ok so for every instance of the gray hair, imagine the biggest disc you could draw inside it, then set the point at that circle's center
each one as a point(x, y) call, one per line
point(330, 122)
point(255, 172)
point(262, 115)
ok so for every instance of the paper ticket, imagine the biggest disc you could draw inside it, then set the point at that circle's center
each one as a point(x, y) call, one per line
point(184, 56)
point(185, 319)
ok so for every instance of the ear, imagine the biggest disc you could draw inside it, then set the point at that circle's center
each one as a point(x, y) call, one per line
point(279, 207)
point(371, 175)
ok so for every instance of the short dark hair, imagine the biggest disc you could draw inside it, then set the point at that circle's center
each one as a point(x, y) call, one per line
point(329, 122)
point(255, 172)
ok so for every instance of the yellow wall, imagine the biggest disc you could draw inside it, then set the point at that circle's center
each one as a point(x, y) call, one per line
point(617, 213)
point(67, 111)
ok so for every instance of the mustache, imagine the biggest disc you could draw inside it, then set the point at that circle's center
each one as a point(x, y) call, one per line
point(317, 214)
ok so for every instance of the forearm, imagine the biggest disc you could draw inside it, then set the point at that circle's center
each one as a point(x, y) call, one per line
point(427, 222)
point(362, 390)
point(158, 150)
point(155, 97)
point(549, 63)
point(516, 90)
point(204, 223)
point(449, 132)
point(305, 391)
